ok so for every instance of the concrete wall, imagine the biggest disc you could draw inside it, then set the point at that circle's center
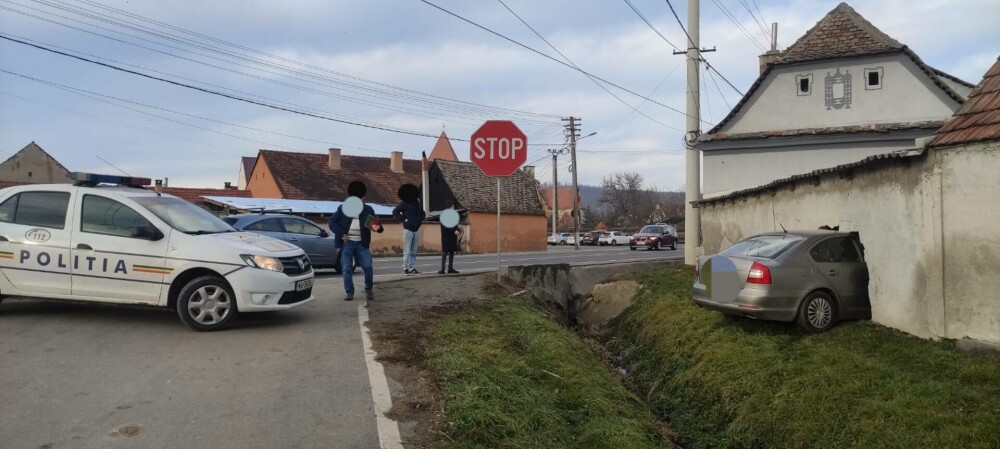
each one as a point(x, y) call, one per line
point(777, 106)
point(743, 168)
point(929, 225)
point(33, 166)
point(518, 232)
point(971, 225)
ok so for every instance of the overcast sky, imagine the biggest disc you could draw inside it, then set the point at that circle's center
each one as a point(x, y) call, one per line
point(404, 44)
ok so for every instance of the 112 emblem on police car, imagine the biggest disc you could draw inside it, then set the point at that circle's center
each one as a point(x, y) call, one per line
point(37, 235)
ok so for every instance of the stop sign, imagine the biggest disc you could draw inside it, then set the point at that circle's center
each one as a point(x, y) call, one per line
point(498, 148)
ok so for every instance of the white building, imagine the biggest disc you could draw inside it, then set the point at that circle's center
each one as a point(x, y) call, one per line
point(843, 92)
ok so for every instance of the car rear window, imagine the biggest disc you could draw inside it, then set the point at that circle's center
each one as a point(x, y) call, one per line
point(763, 246)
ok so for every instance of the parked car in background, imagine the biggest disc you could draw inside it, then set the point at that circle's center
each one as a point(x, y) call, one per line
point(815, 278)
point(653, 237)
point(614, 238)
point(558, 239)
point(571, 240)
point(318, 244)
point(590, 238)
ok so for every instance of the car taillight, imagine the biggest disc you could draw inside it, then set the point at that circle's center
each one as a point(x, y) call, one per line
point(759, 274)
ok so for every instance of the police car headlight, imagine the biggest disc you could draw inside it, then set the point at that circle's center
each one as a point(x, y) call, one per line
point(263, 262)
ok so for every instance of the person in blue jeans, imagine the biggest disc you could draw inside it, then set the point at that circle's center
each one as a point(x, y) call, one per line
point(354, 240)
point(411, 213)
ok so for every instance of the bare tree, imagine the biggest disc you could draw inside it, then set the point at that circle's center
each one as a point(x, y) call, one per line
point(627, 202)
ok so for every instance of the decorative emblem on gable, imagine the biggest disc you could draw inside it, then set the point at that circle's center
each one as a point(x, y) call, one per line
point(838, 90)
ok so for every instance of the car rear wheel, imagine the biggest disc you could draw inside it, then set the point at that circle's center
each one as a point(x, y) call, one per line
point(562, 243)
point(207, 303)
point(817, 313)
point(631, 248)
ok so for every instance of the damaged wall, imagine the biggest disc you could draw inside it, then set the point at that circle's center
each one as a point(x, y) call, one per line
point(917, 285)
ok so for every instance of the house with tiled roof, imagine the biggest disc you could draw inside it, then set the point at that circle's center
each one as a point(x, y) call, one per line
point(325, 176)
point(246, 169)
point(442, 149)
point(463, 185)
point(561, 198)
point(928, 218)
point(842, 92)
point(33, 165)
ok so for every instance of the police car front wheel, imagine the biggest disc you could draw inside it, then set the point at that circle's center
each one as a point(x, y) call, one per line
point(207, 303)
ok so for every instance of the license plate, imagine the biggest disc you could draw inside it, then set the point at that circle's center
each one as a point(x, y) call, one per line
point(304, 284)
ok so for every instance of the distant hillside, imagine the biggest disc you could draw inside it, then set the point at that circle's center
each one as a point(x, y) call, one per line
point(590, 196)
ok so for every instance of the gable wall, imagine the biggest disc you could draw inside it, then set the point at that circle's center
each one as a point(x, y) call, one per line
point(33, 166)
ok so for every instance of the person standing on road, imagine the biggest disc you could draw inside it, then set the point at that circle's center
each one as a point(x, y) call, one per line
point(411, 213)
point(354, 236)
point(451, 238)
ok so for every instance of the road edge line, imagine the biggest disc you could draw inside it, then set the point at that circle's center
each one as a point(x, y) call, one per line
point(388, 430)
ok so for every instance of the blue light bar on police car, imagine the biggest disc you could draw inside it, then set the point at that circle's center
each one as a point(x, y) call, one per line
point(94, 179)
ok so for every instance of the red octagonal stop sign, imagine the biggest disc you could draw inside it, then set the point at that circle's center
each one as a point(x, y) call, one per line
point(498, 148)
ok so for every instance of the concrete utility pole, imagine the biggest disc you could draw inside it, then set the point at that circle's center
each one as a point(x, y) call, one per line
point(555, 188)
point(692, 189)
point(572, 127)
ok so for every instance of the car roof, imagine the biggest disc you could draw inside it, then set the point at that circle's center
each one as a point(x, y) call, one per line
point(808, 233)
point(131, 192)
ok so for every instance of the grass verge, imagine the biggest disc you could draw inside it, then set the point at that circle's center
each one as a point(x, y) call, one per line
point(509, 377)
point(747, 384)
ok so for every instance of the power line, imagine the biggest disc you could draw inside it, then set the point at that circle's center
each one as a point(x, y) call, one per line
point(438, 100)
point(653, 92)
point(763, 29)
point(367, 102)
point(222, 94)
point(718, 89)
point(553, 47)
point(732, 18)
point(91, 94)
point(643, 17)
point(690, 41)
point(712, 68)
point(526, 47)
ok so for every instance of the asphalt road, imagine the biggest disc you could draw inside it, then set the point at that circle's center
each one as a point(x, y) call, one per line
point(95, 376)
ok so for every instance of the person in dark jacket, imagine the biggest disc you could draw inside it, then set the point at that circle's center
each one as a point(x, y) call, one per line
point(411, 213)
point(354, 238)
point(451, 239)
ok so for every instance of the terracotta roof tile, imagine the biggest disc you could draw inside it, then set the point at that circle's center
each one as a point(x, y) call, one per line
point(477, 192)
point(308, 176)
point(195, 195)
point(442, 149)
point(841, 33)
point(248, 163)
point(979, 118)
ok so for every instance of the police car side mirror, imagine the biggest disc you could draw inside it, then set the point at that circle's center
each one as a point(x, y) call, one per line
point(324, 234)
point(148, 232)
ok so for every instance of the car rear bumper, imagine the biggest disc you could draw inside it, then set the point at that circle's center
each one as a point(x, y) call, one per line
point(261, 290)
point(764, 304)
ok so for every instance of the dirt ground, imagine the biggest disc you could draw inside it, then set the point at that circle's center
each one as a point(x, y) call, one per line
point(399, 320)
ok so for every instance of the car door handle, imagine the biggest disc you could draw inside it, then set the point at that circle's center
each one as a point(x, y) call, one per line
point(832, 272)
point(84, 246)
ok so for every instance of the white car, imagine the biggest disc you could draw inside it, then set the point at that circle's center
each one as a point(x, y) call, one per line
point(559, 239)
point(614, 238)
point(128, 245)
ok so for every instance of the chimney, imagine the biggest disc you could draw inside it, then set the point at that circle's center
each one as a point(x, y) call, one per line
point(530, 170)
point(229, 185)
point(396, 162)
point(333, 160)
point(773, 54)
point(159, 186)
point(166, 182)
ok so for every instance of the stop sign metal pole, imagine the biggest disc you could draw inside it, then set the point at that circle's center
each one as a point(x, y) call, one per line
point(498, 231)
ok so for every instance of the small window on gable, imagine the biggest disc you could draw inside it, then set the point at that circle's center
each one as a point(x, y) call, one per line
point(803, 84)
point(873, 78)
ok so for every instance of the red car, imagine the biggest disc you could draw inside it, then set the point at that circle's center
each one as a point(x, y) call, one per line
point(653, 237)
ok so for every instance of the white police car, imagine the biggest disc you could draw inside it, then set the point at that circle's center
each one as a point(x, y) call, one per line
point(129, 245)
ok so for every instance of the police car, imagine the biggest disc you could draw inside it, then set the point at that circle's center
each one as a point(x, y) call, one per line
point(108, 239)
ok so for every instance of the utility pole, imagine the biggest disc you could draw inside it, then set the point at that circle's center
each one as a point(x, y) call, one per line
point(692, 188)
point(555, 188)
point(572, 128)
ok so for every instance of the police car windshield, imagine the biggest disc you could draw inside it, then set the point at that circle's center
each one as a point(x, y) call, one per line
point(184, 216)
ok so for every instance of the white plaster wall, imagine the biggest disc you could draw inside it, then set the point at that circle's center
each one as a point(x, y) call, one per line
point(971, 218)
point(885, 206)
point(907, 95)
point(726, 170)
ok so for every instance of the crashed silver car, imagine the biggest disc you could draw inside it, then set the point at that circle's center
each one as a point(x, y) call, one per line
point(815, 278)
